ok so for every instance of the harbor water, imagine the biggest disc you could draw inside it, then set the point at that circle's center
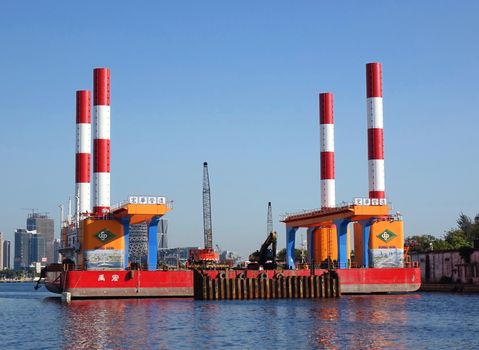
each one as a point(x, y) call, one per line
point(38, 320)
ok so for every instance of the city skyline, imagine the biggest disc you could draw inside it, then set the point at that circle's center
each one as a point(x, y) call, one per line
point(238, 87)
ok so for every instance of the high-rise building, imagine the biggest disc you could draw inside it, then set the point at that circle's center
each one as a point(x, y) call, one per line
point(56, 252)
point(1, 251)
point(162, 234)
point(22, 249)
point(44, 226)
point(38, 251)
point(7, 251)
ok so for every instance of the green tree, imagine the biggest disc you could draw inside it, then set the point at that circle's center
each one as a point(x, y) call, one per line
point(10, 274)
point(297, 255)
point(464, 222)
point(457, 239)
point(466, 232)
point(465, 253)
point(422, 243)
point(470, 229)
point(461, 237)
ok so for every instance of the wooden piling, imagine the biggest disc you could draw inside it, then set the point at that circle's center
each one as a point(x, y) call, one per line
point(312, 291)
point(232, 289)
point(326, 286)
point(241, 287)
point(267, 291)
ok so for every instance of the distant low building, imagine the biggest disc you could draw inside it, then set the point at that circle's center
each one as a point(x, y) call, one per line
point(448, 266)
point(174, 256)
point(230, 258)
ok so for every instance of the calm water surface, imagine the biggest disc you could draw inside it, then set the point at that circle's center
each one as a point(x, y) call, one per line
point(38, 320)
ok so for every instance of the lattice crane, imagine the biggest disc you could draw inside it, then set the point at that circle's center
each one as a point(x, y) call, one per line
point(206, 257)
point(208, 231)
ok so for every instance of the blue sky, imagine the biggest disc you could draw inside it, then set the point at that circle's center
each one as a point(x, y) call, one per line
point(236, 84)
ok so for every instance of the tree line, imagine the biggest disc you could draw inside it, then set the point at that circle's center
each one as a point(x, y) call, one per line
point(460, 237)
point(16, 274)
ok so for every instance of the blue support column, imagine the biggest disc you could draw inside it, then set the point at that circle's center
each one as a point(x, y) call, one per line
point(153, 243)
point(290, 239)
point(342, 231)
point(126, 236)
point(311, 237)
point(366, 231)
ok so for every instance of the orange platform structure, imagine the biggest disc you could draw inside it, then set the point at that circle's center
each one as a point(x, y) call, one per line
point(378, 235)
point(379, 238)
point(103, 240)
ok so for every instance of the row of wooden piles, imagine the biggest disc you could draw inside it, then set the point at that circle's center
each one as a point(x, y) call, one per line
point(263, 287)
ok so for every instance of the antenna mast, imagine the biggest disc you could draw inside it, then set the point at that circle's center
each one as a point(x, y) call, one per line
point(269, 227)
point(69, 210)
point(61, 216)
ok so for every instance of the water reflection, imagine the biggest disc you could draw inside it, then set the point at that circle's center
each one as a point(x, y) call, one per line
point(361, 322)
point(29, 320)
point(98, 324)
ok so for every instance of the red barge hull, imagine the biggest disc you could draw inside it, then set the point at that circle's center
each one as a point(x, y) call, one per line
point(138, 284)
point(379, 280)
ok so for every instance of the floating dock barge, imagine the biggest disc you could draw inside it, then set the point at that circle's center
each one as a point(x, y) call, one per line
point(180, 283)
point(95, 244)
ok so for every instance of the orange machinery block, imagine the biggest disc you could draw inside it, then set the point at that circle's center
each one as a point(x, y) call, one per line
point(101, 234)
point(358, 245)
point(98, 234)
point(384, 234)
point(387, 234)
point(200, 255)
point(325, 244)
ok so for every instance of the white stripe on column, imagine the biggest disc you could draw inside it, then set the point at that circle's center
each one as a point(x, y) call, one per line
point(328, 193)
point(376, 175)
point(84, 189)
point(102, 122)
point(375, 112)
point(84, 138)
point(102, 188)
point(327, 137)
